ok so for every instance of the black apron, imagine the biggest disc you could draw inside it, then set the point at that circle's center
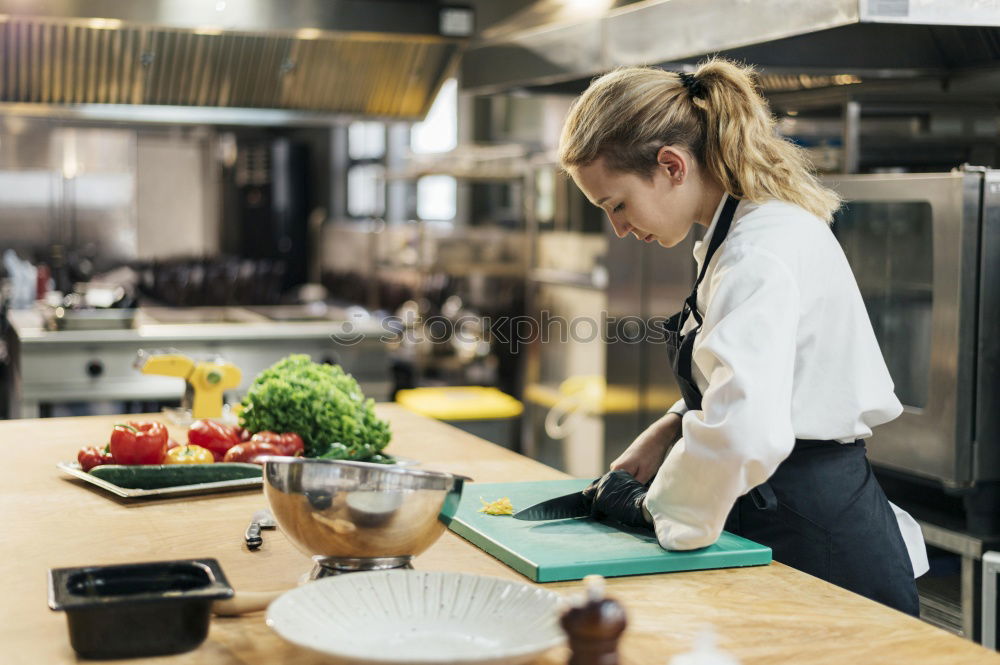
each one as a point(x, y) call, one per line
point(822, 511)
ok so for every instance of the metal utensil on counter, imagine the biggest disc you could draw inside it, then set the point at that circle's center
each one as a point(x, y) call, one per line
point(262, 519)
point(165, 605)
point(359, 516)
point(574, 504)
point(559, 508)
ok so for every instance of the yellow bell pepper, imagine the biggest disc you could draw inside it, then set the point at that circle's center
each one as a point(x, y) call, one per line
point(188, 455)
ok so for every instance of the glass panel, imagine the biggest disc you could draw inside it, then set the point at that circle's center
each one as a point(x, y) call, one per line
point(890, 248)
point(366, 140)
point(436, 197)
point(365, 190)
point(439, 130)
point(545, 196)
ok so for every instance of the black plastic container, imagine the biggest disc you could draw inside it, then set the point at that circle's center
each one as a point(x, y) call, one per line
point(140, 609)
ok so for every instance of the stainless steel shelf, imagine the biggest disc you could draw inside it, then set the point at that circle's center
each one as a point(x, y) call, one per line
point(564, 278)
point(957, 616)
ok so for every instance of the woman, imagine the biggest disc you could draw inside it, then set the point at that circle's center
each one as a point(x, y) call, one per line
point(780, 372)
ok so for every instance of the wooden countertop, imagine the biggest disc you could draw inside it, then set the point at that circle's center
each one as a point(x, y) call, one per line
point(769, 614)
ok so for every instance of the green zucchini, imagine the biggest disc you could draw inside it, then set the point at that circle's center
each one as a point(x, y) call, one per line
point(155, 476)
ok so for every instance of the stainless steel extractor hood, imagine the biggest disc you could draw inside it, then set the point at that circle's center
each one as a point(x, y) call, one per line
point(384, 58)
point(869, 38)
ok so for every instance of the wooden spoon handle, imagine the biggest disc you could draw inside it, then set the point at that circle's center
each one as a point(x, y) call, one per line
point(245, 602)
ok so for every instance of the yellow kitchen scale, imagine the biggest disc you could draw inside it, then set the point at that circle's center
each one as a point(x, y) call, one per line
point(207, 380)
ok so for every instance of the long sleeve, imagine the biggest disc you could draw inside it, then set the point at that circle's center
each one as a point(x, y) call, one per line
point(746, 350)
point(679, 407)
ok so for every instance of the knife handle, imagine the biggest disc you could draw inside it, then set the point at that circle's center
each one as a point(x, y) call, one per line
point(252, 536)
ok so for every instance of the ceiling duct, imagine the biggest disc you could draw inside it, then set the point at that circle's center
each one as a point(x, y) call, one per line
point(359, 57)
point(832, 40)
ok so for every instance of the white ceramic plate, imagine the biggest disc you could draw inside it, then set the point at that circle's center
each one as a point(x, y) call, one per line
point(397, 617)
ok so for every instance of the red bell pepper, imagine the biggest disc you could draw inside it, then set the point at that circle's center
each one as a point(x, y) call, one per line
point(289, 443)
point(138, 443)
point(213, 436)
point(251, 451)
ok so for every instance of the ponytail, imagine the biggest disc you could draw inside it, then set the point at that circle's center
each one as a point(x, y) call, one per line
point(717, 114)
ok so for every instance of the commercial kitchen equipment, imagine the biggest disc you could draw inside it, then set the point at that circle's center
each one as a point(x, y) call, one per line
point(447, 287)
point(162, 77)
point(267, 199)
point(206, 381)
point(562, 46)
point(110, 60)
point(883, 83)
point(925, 250)
point(93, 371)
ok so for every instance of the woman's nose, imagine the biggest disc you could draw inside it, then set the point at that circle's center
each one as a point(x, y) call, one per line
point(620, 227)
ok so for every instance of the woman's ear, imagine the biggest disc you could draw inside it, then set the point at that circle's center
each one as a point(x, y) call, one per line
point(673, 162)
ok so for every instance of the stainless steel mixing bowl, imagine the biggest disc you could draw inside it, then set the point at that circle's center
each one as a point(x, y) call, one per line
point(356, 515)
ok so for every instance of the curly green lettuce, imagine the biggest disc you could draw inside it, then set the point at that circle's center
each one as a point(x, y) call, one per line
point(321, 403)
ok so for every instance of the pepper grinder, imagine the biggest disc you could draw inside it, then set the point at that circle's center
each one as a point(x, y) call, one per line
point(594, 625)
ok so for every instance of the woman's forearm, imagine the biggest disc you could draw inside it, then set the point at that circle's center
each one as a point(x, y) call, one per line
point(668, 426)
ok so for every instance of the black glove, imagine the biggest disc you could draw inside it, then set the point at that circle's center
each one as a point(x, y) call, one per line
point(618, 495)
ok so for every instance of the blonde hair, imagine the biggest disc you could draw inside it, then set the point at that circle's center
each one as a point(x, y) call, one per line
point(717, 115)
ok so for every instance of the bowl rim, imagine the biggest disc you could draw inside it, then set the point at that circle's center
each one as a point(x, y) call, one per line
point(406, 471)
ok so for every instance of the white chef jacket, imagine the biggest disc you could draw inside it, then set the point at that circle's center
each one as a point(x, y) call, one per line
point(786, 351)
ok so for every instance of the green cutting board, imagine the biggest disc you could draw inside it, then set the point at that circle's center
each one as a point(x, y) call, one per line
point(569, 549)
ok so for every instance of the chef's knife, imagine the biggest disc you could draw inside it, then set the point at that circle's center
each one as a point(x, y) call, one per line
point(262, 519)
point(559, 508)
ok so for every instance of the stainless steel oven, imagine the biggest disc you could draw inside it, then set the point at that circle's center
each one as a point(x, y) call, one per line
point(925, 249)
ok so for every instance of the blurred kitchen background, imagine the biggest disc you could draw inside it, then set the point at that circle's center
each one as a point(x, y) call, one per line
point(374, 183)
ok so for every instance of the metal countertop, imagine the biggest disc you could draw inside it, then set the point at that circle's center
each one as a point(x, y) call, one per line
point(30, 329)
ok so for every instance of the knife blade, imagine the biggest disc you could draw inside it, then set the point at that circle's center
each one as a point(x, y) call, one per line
point(559, 508)
point(266, 519)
